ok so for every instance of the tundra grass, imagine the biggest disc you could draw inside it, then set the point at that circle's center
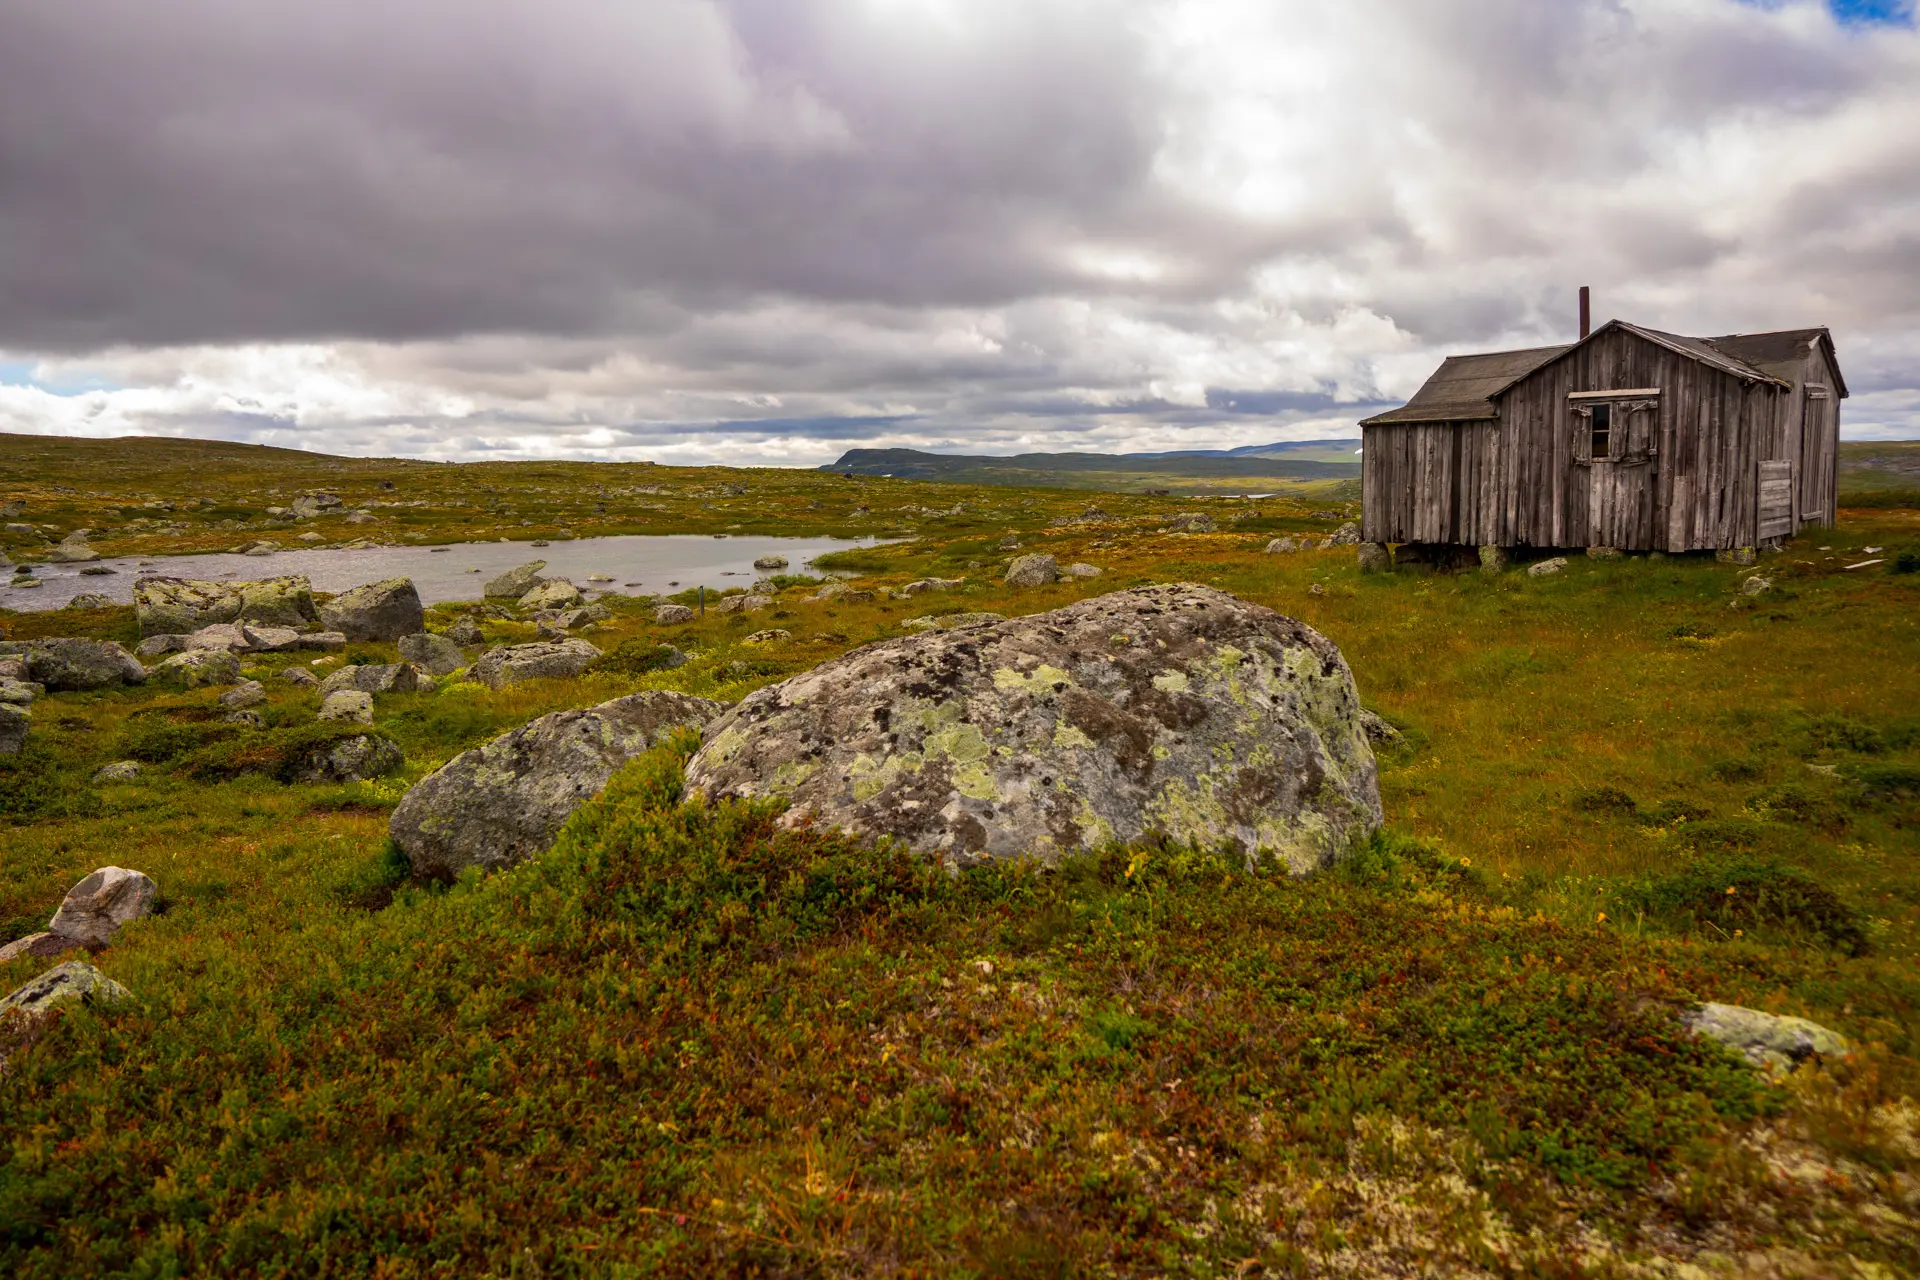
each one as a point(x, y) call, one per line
point(685, 1042)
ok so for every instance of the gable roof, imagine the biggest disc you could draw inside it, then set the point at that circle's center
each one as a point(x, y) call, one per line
point(1463, 387)
point(1779, 353)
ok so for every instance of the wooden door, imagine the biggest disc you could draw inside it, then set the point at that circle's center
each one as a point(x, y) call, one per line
point(1776, 500)
point(1813, 480)
point(1618, 442)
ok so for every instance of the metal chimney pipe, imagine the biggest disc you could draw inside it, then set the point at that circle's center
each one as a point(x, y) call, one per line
point(1586, 312)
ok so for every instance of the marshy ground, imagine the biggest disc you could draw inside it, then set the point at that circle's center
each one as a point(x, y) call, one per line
point(687, 1043)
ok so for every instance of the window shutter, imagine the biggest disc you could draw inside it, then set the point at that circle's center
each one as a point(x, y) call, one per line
point(1643, 428)
point(1583, 435)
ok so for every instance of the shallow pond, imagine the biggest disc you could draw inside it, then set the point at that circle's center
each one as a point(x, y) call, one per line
point(639, 564)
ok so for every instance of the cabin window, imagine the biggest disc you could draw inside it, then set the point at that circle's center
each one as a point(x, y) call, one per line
point(1600, 430)
point(1615, 426)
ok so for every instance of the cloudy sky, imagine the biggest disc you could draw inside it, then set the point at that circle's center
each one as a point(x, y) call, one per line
point(768, 230)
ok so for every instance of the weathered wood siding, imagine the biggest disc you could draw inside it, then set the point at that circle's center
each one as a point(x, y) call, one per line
point(1516, 481)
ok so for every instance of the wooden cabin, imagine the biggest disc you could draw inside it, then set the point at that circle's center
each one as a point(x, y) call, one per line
point(1630, 438)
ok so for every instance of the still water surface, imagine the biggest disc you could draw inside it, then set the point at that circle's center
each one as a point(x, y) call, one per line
point(639, 564)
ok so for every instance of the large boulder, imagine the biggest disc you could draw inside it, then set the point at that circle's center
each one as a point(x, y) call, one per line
point(1174, 711)
point(198, 668)
point(74, 980)
point(352, 705)
point(82, 664)
point(502, 803)
point(278, 602)
point(507, 664)
point(15, 720)
point(515, 583)
point(176, 606)
point(93, 910)
point(437, 654)
point(1037, 570)
point(390, 677)
point(73, 549)
point(383, 610)
point(556, 593)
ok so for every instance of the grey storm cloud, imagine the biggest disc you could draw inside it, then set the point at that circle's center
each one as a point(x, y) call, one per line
point(720, 228)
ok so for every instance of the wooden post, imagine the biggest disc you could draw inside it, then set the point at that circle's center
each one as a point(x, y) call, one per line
point(1586, 312)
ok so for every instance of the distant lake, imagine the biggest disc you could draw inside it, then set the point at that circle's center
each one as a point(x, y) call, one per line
point(639, 564)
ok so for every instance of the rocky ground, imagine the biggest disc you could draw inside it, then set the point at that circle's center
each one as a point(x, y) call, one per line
point(1381, 923)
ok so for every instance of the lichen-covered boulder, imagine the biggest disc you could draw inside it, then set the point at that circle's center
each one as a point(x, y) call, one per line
point(74, 980)
point(350, 760)
point(15, 720)
point(465, 631)
point(90, 600)
point(278, 602)
point(178, 606)
point(1347, 535)
point(82, 664)
point(1036, 570)
point(1768, 1040)
point(672, 614)
point(1192, 522)
point(1280, 545)
point(354, 706)
point(744, 604)
point(1175, 711)
point(437, 654)
point(515, 583)
point(93, 910)
point(197, 668)
point(502, 803)
point(390, 677)
point(507, 664)
point(384, 610)
point(557, 593)
point(1374, 557)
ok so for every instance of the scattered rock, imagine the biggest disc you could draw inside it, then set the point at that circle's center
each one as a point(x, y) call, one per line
point(1347, 535)
point(1494, 559)
point(41, 945)
point(300, 678)
point(1756, 586)
point(90, 600)
point(508, 664)
point(556, 593)
point(1037, 570)
point(773, 635)
point(278, 602)
point(744, 604)
point(309, 505)
point(1192, 522)
point(118, 771)
point(352, 705)
point(324, 641)
point(1547, 567)
point(770, 562)
point(275, 639)
point(246, 716)
point(502, 803)
point(1374, 557)
point(1605, 553)
point(21, 693)
point(351, 760)
point(198, 668)
point(221, 635)
point(93, 910)
point(1379, 732)
point(73, 549)
point(1083, 571)
point(159, 646)
point(180, 606)
point(15, 720)
point(1177, 711)
point(465, 632)
point(515, 583)
point(74, 980)
point(438, 654)
point(671, 614)
point(383, 610)
point(1767, 1040)
point(391, 677)
point(1010, 543)
point(1279, 545)
point(93, 571)
point(1737, 555)
point(248, 693)
point(82, 664)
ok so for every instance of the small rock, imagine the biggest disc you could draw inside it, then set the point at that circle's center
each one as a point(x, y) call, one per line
point(1756, 586)
point(465, 632)
point(97, 571)
point(15, 720)
point(351, 760)
point(118, 771)
point(557, 593)
point(248, 693)
point(246, 716)
point(1494, 559)
point(1378, 731)
point(1605, 553)
point(670, 614)
point(21, 693)
point(159, 646)
point(81, 665)
point(1010, 543)
point(90, 600)
point(221, 635)
point(744, 604)
point(1083, 571)
point(93, 910)
point(948, 622)
point(1547, 567)
point(352, 705)
point(438, 654)
point(1316, 590)
point(74, 980)
point(770, 562)
point(1737, 555)
point(272, 639)
point(1279, 545)
point(1374, 557)
point(1347, 535)
point(300, 678)
point(1192, 522)
point(515, 583)
point(324, 641)
point(1767, 1040)
point(42, 946)
point(773, 635)
point(1037, 570)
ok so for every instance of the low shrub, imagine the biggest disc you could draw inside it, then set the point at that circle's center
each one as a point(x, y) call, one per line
point(1605, 800)
point(280, 754)
point(1747, 895)
point(36, 784)
point(635, 657)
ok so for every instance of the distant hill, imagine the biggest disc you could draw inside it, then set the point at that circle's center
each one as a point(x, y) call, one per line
point(1282, 465)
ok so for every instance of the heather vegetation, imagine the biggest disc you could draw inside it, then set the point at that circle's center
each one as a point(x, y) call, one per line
point(689, 1041)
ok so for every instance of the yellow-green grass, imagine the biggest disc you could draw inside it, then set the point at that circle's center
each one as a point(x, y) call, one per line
point(679, 1044)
